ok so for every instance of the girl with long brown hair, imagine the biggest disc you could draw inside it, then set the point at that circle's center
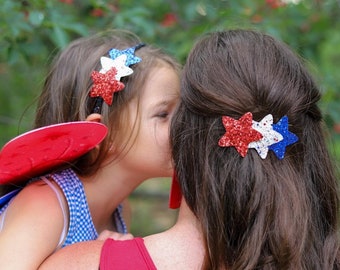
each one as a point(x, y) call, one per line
point(259, 188)
point(132, 89)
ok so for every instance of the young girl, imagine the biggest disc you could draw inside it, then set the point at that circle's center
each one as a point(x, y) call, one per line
point(130, 87)
point(259, 190)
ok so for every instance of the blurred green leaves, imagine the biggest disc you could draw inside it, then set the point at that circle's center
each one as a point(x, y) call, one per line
point(31, 32)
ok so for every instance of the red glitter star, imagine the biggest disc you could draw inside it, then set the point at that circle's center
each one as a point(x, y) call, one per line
point(105, 85)
point(239, 133)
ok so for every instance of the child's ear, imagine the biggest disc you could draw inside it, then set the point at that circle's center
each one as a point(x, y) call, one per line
point(94, 117)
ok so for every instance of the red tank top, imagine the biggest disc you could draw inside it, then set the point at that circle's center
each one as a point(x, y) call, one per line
point(127, 254)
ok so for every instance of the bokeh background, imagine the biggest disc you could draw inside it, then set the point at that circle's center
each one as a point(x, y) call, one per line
point(33, 31)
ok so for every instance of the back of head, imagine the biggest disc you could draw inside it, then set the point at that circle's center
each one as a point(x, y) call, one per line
point(255, 213)
point(65, 96)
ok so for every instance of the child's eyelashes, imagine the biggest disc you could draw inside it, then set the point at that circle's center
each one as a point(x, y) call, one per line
point(162, 114)
point(165, 109)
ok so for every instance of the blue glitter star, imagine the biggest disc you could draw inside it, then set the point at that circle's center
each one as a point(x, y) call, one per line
point(288, 138)
point(270, 136)
point(129, 52)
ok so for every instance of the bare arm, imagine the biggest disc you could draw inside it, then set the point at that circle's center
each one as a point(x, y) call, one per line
point(82, 256)
point(32, 228)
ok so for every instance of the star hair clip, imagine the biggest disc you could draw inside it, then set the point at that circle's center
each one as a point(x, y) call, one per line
point(263, 136)
point(106, 81)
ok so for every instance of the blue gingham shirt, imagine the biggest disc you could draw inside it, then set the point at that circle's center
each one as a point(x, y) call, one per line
point(81, 227)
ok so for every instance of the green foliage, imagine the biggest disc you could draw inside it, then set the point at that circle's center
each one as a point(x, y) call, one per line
point(31, 32)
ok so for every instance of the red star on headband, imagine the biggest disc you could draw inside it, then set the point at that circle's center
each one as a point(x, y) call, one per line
point(239, 133)
point(105, 85)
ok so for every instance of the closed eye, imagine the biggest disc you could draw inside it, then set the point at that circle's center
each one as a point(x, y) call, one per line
point(162, 115)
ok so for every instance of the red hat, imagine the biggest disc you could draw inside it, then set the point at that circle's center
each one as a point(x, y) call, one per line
point(42, 149)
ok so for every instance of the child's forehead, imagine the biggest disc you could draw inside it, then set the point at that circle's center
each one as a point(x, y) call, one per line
point(162, 89)
point(164, 76)
point(161, 86)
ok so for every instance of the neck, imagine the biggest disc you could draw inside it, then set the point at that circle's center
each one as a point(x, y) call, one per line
point(187, 224)
point(105, 190)
point(182, 245)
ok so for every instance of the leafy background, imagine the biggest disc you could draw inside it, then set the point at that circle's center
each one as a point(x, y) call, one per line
point(31, 32)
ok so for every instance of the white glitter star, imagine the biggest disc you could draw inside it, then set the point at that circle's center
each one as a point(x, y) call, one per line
point(270, 136)
point(118, 64)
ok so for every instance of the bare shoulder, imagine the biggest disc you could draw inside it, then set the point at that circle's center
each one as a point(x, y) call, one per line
point(83, 255)
point(33, 217)
point(173, 249)
point(36, 198)
point(163, 249)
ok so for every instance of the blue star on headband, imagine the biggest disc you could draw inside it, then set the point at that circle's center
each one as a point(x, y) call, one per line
point(288, 138)
point(129, 52)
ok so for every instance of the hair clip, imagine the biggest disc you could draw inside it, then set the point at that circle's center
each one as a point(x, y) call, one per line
point(106, 81)
point(263, 136)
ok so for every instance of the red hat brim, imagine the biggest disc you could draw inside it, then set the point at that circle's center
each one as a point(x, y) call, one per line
point(42, 149)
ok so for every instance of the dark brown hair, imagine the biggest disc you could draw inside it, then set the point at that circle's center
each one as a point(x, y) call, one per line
point(65, 96)
point(254, 213)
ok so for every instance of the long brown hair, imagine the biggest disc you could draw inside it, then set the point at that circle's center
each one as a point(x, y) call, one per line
point(255, 213)
point(65, 96)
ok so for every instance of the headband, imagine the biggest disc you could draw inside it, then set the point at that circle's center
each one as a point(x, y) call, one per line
point(106, 81)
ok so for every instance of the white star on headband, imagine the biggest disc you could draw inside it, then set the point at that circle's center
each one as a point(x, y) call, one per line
point(118, 63)
point(270, 136)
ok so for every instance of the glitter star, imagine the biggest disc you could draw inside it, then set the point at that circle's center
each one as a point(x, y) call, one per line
point(288, 138)
point(130, 53)
point(105, 85)
point(118, 63)
point(239, 133)
point(270, 136)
